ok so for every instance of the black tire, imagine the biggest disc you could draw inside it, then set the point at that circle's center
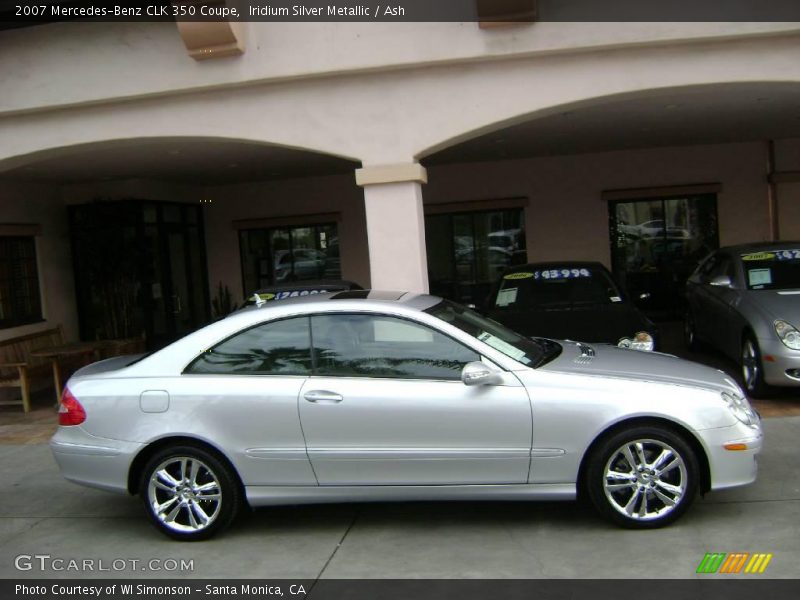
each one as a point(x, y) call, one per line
point(690, 331)
point(752, 368)
point(645, 492)
point(193, 482)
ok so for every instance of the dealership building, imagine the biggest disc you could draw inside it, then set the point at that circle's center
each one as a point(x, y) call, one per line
point(146, 167)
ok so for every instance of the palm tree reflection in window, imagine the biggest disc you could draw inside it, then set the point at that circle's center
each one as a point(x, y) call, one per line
point(286, 360)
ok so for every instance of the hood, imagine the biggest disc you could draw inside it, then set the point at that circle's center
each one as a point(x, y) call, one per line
point(784, 304)
point(591, 323)
point(610, 361)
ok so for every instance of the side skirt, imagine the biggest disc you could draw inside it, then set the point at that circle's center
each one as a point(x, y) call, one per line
point(277, 495)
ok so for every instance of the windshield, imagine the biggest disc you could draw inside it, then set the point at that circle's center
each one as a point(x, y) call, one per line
point(532, 352)
point(772, 270)
point(557, 286)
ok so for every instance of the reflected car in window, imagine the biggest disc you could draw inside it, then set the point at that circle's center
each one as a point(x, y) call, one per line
point(570, 300)
point(744, 301)
point(381, 396)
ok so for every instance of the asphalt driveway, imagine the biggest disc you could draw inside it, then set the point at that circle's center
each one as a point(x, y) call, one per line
point(44, 515)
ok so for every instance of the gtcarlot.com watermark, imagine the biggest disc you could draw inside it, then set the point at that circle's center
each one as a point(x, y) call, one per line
point(48, 563)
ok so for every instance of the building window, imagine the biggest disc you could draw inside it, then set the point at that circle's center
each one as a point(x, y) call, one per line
point(283, 254)
point(467, 252)
point(656, 243)
point(20, 302)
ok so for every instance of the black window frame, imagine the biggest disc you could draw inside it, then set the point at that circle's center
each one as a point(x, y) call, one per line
point(23, 289)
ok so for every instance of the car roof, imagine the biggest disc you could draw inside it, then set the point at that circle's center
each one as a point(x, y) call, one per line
point(308, 284)
point(410, 299)
point(760, 246)
point(557, 264)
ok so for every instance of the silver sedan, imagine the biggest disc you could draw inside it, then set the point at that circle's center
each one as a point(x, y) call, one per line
point(377, 396)
point(745, 302)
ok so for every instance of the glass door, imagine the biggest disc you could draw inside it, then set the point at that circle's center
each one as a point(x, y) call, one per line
point(657, 243)
point(468, 252)
point(140, 268)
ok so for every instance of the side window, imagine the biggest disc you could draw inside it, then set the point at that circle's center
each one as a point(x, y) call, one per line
point(275, 348)
point(709, 268)
point(723, 266)
point(381, 346)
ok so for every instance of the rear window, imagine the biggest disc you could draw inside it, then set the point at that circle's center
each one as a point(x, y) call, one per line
point(772, 269)
point(557, 286)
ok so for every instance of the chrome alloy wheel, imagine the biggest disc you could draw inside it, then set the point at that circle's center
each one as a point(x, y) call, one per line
point(184, 494)
point(750, 364)
point(645, 479)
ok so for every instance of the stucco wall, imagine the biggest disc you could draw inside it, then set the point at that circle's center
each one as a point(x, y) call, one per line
point(37, 203)
point(396, 115)
point(78, 62)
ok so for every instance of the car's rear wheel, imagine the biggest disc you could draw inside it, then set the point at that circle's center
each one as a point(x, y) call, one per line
point(642, 478)
point(752, 368)
point(189, 493)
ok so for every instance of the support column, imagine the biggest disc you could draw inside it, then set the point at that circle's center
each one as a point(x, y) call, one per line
point(395, 226)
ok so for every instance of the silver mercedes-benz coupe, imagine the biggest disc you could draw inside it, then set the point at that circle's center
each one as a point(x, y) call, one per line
point(374, 396)
point(745, 301)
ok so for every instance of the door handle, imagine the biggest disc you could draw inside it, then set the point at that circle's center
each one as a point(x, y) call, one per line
point(323, 397)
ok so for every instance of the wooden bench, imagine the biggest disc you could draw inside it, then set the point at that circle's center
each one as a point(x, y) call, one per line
point(18, 368)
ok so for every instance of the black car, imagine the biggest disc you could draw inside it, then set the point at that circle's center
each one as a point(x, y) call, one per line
point(570, 300)
point(298, 288)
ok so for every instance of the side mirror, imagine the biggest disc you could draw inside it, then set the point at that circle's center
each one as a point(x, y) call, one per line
point(720, 281)
point(477, 373)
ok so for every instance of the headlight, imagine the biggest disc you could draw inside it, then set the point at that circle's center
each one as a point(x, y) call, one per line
point(641, 341)
point(740, 408)
point(788, 334)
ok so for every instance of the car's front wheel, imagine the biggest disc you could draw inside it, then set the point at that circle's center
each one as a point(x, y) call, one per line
point(644, 477)
point(189, 493)
point(752, 369)
point(690, 331)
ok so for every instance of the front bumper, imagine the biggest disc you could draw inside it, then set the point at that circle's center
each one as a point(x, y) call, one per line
point(95, 462)
point(776, 360)
point(732, 468)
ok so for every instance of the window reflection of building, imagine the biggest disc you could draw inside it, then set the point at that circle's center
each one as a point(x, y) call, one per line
point(272, 256)
point(657, 242)
point(468, 251)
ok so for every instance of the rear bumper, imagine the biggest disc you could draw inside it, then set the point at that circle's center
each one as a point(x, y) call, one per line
point(95, 462)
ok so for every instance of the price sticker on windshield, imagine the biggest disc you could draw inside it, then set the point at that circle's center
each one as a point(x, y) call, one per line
point(787, 254)
point(561, 274)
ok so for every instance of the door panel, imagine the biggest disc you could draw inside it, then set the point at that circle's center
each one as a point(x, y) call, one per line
point(252, 418)
point(365, 431)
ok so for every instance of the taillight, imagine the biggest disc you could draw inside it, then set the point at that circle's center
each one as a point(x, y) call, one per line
point(70, 412)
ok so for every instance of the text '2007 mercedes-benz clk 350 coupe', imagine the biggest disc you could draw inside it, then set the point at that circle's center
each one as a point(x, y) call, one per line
point(377, 396)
